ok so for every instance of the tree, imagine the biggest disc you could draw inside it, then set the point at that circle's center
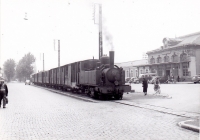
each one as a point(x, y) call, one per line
point(24, 68)
point(9, 69)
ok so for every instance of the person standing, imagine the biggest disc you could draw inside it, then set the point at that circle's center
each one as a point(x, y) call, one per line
point(172, 78)
point(3, 93)
point(178, 78)
point(145, 86)
point(157, 86)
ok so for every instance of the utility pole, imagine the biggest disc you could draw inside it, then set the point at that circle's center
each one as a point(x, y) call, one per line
point(100, 32)
point(58, 53)
point(43, 61)
point(100, 29)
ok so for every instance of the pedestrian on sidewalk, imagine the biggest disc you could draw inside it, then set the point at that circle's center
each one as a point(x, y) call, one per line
point(172, 78)
point(178, 78)
point(157, 86)
point(145, 86)
point(3, 93)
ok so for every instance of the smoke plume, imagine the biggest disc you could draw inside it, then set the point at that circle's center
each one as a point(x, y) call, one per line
point(108, 38)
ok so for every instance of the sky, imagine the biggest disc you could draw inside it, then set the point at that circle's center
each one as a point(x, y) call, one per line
point(133, 27)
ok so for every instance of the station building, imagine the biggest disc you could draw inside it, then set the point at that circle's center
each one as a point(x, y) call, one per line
point(178, 56)
point(131, 69)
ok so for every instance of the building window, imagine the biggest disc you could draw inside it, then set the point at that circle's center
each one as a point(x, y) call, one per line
point(131, 74)
point(174, 58)
point(166, 58)
point(185, 69)
point(159, 59)
point(140, 71)
point(127, 73)
point(146, 70)
point(152, 60)
point(183, 57)
point(136, 73)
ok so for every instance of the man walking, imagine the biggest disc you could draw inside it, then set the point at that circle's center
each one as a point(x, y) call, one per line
point(3, 93)
point(145, 86)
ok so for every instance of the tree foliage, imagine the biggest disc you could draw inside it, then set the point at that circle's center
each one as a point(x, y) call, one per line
point(24, 68)
point(9, 69)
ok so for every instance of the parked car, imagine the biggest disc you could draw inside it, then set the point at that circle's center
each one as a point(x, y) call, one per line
point(27, 82)
point(196, 78)
point(127, 79)
point(147, 76)
point(134, 80)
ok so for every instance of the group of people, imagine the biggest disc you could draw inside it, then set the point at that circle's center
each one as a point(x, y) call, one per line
point(3, 93)
point(156, 86)
point(172, 79)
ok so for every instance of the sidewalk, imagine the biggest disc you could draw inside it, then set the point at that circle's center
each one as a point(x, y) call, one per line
point(190, 124)
point(184, 83)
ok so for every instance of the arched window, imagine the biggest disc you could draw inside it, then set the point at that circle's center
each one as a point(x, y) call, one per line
point(159, 59)
point(131, 73)
point(183, 57)
point(127, 73)
point(166, 58)
point(152, 60)
point(136, 73)
point(174, 58)
point(140, 71)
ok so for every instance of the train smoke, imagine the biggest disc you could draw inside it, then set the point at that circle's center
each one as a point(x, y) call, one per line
point(108, 38)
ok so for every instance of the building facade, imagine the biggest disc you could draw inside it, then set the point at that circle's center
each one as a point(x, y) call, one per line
point(177, 57)
point(130, 67)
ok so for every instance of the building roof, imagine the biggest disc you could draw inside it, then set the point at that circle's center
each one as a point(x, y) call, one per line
point(191, 39)
point(132, 63)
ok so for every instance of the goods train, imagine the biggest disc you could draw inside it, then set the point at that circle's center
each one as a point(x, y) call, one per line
point(98, 78)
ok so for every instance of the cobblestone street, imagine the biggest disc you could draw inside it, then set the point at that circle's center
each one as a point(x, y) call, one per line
point(37, 114)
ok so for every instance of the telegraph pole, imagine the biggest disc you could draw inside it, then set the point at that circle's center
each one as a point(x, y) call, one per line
point(58, 53)
point(43, 61)
point(100, 32)
point(100, 29)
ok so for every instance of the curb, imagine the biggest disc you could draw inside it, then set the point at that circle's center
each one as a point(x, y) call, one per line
point(189, 115)
point(188, 126)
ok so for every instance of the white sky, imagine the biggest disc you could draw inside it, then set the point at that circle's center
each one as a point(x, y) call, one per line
point(136, 26)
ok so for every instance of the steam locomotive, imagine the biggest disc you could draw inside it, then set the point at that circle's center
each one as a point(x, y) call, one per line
point(97, 78)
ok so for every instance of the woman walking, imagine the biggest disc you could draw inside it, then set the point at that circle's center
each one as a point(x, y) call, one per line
point(145, 86)
point(157, 86)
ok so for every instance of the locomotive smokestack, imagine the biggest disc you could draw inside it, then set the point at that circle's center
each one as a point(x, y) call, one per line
point(111, 54)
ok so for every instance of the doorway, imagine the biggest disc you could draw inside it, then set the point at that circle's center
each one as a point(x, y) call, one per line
point(167, 73)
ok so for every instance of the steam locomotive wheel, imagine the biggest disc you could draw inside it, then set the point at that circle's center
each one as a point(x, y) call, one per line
point(94, 94)
point(118, 97)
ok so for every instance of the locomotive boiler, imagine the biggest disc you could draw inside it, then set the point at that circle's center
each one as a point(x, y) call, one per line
point(97, 78)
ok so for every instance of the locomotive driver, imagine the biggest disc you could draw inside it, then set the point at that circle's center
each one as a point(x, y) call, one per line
point(3, 93)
